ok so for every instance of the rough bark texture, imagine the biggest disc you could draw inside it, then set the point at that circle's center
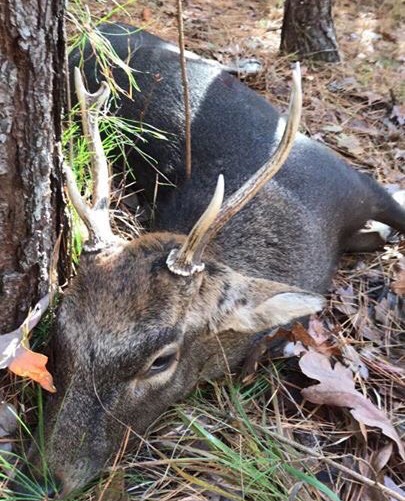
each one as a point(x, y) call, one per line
point(31, 202)
point(308, 30)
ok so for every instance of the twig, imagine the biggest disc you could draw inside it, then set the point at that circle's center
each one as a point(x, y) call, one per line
point(186, 94)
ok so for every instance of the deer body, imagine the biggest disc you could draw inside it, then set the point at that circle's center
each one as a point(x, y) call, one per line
point(144, 321)
point(316, 197)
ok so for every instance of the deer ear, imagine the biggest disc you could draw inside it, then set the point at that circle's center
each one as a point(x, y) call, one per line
point(264, 304)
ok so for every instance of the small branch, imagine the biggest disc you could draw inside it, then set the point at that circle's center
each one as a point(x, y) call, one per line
point(186, 94)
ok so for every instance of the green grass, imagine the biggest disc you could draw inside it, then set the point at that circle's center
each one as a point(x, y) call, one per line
point(218, 435)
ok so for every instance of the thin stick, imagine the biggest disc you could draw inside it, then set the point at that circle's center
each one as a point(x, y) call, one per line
point(186, 94)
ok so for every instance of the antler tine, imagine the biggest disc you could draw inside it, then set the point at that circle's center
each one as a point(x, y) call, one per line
point(253, 185)
point(181, 261)
point(96, 217)
point(188, 259)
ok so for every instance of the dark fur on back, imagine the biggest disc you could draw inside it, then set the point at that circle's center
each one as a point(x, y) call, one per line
point(297, 227)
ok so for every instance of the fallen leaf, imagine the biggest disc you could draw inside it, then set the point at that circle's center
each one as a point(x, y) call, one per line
point(379, 364)
point(18, 358)
point(388, 482)
point(337, 388)
point(146, 14)
point(317, 342)
point(381, 458)
point(317, 331)
point(332, 128)
point(348, 304)
point(10, 342)
point(343, 85)
point(361, 127)
point(259, 349)
point(391, 37)
point(351, 144)
point(353, 361)
point(371, 468)
point(371, 333)
point(398, 285)
point(27, 363)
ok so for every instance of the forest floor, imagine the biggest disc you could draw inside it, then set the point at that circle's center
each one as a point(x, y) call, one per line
point(252, 439)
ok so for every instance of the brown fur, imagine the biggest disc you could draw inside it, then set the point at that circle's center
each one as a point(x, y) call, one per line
point(122, 309)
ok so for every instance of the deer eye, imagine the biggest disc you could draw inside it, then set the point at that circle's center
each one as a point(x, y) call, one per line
point(163, 362)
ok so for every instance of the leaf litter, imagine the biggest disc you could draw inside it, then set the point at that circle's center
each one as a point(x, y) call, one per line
point(336, 387)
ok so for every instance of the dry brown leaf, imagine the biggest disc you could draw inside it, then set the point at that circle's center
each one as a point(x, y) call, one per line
point(146, 14)
point(350, 144)
point(381, 457)
point(371, 468)
point(379, 364)
point(15, 354)
point(388, 482)
point(348, 304)
point(317, 342)
point(353, 361)
point(317, 331)
point(259, 349)
point(398, 285)
point(337, 388)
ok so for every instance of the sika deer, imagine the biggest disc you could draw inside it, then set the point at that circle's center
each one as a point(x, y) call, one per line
point(144, 321)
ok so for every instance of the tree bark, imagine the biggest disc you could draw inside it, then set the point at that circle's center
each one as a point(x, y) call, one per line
point(308, 30)
point(32, 90)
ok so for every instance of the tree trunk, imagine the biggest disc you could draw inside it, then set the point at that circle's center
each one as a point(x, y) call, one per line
point(32, 89)
point(308, 30)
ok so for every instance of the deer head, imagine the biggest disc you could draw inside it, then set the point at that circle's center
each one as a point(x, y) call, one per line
point(145, 320)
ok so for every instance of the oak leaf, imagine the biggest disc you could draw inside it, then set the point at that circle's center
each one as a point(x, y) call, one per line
point(336, 387)
point(313, 337)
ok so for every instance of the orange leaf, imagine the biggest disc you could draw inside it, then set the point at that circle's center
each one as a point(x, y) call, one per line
point(27, 363)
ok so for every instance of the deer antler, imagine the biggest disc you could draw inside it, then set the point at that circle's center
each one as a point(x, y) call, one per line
point(181, 261)
point(188, 259)
point(96, 217)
